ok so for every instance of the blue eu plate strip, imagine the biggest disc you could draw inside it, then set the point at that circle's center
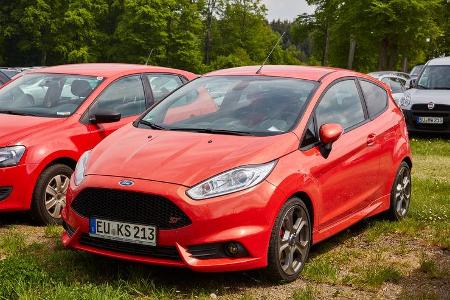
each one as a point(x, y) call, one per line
point(92, 226)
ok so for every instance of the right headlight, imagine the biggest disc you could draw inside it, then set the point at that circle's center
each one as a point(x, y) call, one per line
point(80, 169)
point(10, 156)
point(405, 101)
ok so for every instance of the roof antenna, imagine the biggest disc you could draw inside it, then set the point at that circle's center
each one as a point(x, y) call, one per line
point(149, 55)
point(270, 54)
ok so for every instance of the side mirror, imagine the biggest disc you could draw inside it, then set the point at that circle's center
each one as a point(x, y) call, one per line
point(329, 133)
point(412, 84)
point(100, 117)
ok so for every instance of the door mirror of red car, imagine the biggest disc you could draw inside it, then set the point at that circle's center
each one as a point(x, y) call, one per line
point(105, 117)
point(329, 133)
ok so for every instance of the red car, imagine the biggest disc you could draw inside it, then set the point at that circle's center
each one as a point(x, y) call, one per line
point(50, 116)
point(243, 169)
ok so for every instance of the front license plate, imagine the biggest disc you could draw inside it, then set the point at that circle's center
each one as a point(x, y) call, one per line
point(125, 232)
point(430, 120)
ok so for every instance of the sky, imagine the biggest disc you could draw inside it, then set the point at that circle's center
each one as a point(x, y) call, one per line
point(286, 9)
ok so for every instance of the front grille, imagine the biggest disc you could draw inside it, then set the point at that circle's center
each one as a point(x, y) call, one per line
point(170, 253)
point(437, 107)
point(130, 207)
point(5, 192)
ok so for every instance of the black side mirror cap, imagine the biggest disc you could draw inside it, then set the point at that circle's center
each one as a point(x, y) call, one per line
point(105, 117)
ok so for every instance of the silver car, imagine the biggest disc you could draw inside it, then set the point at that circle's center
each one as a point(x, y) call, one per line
point(395, 82)
point(427, 104)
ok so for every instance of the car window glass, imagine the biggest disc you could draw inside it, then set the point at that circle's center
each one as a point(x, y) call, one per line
point(310, 137)
point(394, 84)
point(163, 84)
point(124, 96)
point(375, 96)
point(341, 104)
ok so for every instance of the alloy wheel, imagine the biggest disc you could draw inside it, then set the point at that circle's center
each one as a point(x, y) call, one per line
point(294, 240)
point(55, 195)
point(403, 192)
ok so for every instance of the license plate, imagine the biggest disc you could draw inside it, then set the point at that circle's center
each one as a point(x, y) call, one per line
point(430, 120)
point(125, 232)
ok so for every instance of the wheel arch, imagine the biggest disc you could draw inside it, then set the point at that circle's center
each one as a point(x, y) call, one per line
point(308, 202)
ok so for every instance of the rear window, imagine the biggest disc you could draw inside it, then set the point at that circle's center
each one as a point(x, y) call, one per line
point(376, 98)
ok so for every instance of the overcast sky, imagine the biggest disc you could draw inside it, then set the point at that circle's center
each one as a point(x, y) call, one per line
point(286, 9)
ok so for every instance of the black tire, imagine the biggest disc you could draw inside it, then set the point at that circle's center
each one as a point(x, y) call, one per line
point(278, 269)
point(39, 212)
point(400, 194)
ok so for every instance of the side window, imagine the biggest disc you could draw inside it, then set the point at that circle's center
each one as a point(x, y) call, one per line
point(394, 84)
point(341, 104)
point(375, 96)
point(163, 84)
point(310, 137)
point(124, 96)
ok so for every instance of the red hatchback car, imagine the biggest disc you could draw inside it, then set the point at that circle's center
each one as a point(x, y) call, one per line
point(50, 116)
point(242, 169)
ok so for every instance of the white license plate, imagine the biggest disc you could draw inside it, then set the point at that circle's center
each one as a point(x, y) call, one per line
point(125, 232)
point(430, 120)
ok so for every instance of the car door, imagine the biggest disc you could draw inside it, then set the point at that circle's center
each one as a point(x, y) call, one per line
point(347, 177)
point(126, 96)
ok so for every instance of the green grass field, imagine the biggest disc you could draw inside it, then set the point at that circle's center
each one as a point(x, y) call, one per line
point(373, 259)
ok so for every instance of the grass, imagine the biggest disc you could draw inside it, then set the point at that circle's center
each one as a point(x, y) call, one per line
point(359, 263)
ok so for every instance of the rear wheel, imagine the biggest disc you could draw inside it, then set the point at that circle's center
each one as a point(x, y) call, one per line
point(49, 197)
point(290, 241)
point(400, 193)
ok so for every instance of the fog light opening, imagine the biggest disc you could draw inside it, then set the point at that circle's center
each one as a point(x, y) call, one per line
point(234, 250)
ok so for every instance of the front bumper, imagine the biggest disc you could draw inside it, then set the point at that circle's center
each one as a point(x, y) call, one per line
point(245, 217)
point(413, 126)
point(19, 180)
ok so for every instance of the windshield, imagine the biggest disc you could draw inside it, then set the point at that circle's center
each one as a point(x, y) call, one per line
point(416, 70)
point(435, 78)
point(46, 95)
point(10, 73)
point(246, 105)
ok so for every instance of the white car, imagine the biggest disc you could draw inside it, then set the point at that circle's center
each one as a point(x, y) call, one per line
point(396, 83)
point(427, 104)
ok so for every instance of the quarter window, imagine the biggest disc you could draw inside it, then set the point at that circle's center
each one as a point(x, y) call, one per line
point(341, 104)
point(124, 96)
point(163, 84)
point(376, 98)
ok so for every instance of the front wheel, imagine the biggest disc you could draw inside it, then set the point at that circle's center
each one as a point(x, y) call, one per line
point(49, 197)
point(290, 242)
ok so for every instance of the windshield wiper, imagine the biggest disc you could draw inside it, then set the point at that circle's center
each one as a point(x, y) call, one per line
point(152, 125)
point(441, 88)
point(214, 131)
point(17, 113)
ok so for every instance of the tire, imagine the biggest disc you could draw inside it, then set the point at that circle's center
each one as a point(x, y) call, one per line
point(49, 196)
point(400, 194)
point(289, 245)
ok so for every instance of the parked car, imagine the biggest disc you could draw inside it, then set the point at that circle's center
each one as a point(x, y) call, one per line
point(427, 105)
point(6, 74)
point(50, 116)
point(403, 75)
point(243, 169)
point(416, 71)
point(396, 83)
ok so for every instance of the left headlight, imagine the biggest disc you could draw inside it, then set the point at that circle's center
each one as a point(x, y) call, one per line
point(10, 156)
point(80, 169)
point(231, 181)
point(405, 101)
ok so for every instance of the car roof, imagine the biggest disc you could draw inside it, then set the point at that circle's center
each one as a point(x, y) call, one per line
point(439, 61)
point(386, 75)
point(298, 72)
point(106, 69)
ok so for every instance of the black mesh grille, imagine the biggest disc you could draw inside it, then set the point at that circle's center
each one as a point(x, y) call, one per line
point(130, 207)
point(4, 192)
point(170, 253)
point(437, 107)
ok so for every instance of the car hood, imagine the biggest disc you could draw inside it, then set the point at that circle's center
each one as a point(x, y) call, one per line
point(426, 96)
point(13, 128)
point(184, 158)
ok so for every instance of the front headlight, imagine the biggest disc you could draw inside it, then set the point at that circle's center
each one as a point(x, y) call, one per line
point(81, 168)
point(405, 102)
point(10, 156)
point(235, 180)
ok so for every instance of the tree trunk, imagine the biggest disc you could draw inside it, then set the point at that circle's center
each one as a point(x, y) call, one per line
point(209, 18)
point(351, 53)
point(326, 46)
point(44, 57)
point(383, 57)
point(405, 64)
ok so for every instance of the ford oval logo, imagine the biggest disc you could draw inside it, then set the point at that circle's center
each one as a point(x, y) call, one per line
point(431, 105)
point(126, 182)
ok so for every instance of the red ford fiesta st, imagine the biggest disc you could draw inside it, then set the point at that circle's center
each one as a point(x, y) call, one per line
point(243, 169)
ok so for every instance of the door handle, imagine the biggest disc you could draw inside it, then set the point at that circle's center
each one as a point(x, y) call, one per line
point(371, 139)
